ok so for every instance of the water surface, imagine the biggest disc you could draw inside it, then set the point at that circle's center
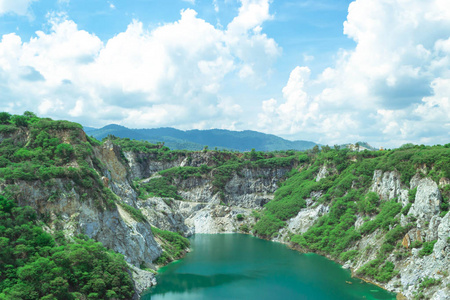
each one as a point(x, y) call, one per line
point(237, 266)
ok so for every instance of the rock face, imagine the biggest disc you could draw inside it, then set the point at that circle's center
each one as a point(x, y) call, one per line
point(386, 184)
point(194, 217)
point(414, 269)
point(207, 209)
point(253, 188)
point(74, 214)
point(430, 227)
point(68, 206)
point(142, 280)
point(115, 172)
point(306, 218)
point(142, 165)
point(428, 200)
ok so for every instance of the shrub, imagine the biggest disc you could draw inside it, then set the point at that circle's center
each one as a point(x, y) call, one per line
point(384, 219)
point(427, 248)
point(268, 225)
point(244, 228)
point(429, 281)
point(173, 244)
point(412, 195)
point(349, 255)
point(134, 212)
point(369, 204)
point(386, 273)
point(158, 187)
point(5, 118)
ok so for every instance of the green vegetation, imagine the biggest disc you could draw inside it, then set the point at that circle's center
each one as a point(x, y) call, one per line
point(157, 187)
point(384, 219)
point(373, 269)
point(174, 245)
point(156, 151)
point(134, 212)
point(37, 265)
point(427, 248)
point(244, 228)
point(407, 159)
point(226, 165)
point(416, 244)
point(346, 192)
point(348, 255)
point(426, 283)
point(185, 172)
point(43, 149)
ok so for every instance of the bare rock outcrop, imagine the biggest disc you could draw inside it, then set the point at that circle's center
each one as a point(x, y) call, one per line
point(427, 201)
point(386, 184)
point(306, 218)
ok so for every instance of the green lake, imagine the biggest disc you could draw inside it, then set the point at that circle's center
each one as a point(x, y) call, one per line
point(238, 266)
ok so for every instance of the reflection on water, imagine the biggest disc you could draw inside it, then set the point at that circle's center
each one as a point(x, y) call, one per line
point(236, 266)
point(189, 282)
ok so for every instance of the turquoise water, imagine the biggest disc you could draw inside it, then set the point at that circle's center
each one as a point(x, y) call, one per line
point(237, 266)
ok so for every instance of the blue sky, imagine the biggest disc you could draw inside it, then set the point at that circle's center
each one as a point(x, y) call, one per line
point(327, 71)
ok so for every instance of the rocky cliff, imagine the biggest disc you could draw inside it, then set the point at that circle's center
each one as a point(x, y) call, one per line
point(203, 208)
point(215, 192)
point(419, 272)
point(235, 209)
point(72, 198)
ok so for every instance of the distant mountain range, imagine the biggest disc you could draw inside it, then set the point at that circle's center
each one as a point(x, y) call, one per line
point(197, 139)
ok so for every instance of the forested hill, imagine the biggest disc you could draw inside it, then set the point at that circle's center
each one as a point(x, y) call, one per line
point(197, 139)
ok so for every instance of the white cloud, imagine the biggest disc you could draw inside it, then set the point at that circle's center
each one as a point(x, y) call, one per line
point(19, 7)
point(170, 76)
point(252, 13)
point(247, 42)
point(392, 88)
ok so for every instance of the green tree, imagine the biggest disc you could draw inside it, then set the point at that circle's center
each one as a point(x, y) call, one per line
point(29, 114)
point(20, 121)
point(65, 152)
point(315, 149)
point(5, 118)
point(326, 149)
point(253, 155)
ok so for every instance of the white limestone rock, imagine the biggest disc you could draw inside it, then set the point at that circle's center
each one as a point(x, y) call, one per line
point(428, 200)
point(387, 185)
point(306, 218)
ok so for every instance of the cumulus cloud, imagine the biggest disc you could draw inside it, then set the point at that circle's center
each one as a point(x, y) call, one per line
point(392, 88)
point(19, 7)
point(170, 76)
